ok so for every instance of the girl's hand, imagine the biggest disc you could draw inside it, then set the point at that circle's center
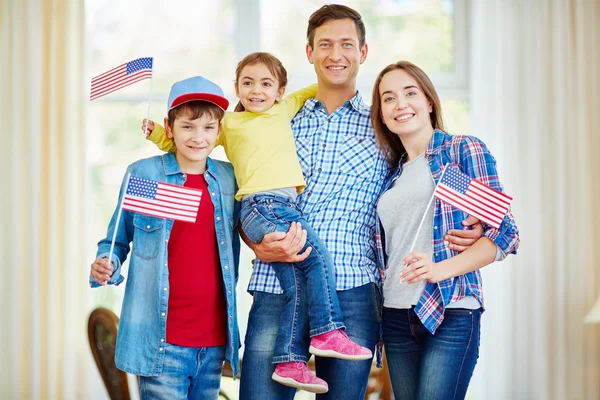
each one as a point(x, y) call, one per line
point(419, 267)
point(101, 270)
point(150, 125)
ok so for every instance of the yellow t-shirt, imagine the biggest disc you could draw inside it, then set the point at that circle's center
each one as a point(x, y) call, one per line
point(260, 146)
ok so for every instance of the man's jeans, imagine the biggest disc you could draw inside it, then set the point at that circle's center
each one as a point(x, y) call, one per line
point(188, 373)
point(346, 379)
point(430, 367)
point(311, 280)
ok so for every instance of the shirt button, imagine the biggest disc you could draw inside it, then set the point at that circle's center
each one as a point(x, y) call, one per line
point(360, 140)
point(161, 349)
point(226, 267)
point(319, 169)
point(218, 218)
point(324, 145)
point(162, 340)
point(213, 193)
point(163, 314)
point(309, 193)
point(229, 292)
point(166, 240)
point(165, 265)
point(435, 228)
point(222, 243)
point(148, 227)
point(165, 289)
point(435, 255)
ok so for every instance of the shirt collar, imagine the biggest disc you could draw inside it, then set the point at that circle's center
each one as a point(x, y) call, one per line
point(433, 147)
point(355, 102)
point(171, 166)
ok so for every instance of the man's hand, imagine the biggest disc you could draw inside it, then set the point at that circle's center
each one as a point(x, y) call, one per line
point(147, 127)
point(461, 240)
point(280, 246)
point(101, 270)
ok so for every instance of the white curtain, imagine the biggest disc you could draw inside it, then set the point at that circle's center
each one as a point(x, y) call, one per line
point(535, 83)
point(43, 279)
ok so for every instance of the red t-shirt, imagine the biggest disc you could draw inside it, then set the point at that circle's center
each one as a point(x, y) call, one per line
point(197, 315)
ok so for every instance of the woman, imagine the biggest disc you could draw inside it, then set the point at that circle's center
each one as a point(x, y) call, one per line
point(432, 296)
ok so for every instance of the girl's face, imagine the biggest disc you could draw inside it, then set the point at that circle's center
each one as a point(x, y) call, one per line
point(404, 108)
point(257, 88)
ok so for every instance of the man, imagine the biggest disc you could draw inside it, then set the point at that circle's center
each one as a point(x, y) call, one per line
point(344, 173)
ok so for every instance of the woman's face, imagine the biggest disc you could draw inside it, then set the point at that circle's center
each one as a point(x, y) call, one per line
point(404, 108)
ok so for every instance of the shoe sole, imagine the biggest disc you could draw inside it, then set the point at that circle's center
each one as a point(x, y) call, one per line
point(341, 356)
point(307, 387)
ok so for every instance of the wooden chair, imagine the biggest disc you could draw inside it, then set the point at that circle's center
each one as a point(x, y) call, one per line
point(102, 335)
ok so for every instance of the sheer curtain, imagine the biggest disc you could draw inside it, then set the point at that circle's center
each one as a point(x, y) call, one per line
point(535, 82)
point(43, 280)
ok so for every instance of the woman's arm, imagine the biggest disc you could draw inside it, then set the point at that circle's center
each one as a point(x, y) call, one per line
point(419, 266)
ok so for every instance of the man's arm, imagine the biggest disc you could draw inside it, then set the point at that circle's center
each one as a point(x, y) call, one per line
point(280, 246)
point(461, 240)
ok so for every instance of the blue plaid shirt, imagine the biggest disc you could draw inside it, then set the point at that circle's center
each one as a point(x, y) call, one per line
point(344, 173)
point(475, 160)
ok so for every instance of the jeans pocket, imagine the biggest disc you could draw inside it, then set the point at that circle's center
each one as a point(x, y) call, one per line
point(255, 225)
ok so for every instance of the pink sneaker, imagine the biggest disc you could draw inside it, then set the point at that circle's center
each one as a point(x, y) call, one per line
point(297, 375)
point(337, 344)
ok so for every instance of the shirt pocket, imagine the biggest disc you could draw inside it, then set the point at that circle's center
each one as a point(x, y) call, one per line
point(358, 157)
point(146, 236)
point(304, 150)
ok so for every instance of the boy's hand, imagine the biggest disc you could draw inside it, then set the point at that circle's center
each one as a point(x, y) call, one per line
point(101, 270)
point(148, 127)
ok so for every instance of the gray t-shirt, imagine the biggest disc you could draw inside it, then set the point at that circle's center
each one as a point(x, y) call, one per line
point(400, 210)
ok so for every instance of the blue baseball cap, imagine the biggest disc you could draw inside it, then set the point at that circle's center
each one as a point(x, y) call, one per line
point(196, 88)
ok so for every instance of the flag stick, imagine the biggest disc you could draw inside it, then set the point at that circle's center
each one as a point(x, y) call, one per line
point(149, 101)
point(412, 247)
point(114, 238)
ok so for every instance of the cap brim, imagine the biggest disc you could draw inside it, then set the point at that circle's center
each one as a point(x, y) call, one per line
point(217, 100)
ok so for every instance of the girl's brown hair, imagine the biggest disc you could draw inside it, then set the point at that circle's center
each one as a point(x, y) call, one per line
point(270, 61)
point(388, 141)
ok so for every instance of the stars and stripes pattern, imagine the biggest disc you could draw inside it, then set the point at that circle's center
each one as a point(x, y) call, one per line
point(472, 197)
point(161, 200)
point(121, 76)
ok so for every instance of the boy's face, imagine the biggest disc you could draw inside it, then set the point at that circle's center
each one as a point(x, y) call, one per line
point(336, 53)
point(195, 139)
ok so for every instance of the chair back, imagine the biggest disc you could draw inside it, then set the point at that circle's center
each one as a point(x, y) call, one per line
point(102, 334)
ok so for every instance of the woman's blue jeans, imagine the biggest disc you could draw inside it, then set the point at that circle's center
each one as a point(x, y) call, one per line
point(264, 213)
point(423, 366)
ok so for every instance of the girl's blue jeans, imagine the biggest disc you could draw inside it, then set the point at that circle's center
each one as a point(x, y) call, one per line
point(312, 279)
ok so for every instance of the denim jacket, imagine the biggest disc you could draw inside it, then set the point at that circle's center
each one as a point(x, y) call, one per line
point(142, 327)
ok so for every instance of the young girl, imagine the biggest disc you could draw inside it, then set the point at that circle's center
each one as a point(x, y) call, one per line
point(432, 297)
point(258, 141)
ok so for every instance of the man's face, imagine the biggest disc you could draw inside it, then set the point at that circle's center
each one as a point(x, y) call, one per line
point(336, 53)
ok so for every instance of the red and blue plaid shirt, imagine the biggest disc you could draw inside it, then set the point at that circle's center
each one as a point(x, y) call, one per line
point(475, 160)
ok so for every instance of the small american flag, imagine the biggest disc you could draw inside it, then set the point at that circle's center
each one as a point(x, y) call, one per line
point(161, 199)
point(472, 197)
point(121, 76)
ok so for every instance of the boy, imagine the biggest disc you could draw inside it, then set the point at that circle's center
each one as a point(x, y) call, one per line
point(178, 321)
